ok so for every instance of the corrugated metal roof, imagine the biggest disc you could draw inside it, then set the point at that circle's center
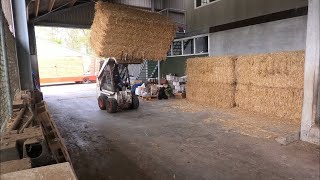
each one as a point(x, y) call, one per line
point(81, 16)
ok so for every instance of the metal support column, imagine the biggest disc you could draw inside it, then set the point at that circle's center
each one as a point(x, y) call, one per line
point(33, 52)
point(153, 10)
point(22, 43)
point(310, 130)
point(159, 73)
point(152, 5)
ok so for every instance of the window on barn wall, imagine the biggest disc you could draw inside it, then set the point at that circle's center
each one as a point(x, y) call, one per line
point(177, 48)
point(201, 45)
point(188, 46)
point(199, 3)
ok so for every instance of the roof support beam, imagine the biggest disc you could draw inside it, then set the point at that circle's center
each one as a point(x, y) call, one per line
point(72, 2)
point(50, 5)
point(36, 8)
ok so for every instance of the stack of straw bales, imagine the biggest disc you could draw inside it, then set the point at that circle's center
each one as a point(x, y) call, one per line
point(266, 83)
point(211, 81)
point(130, 34)
point(271, 83)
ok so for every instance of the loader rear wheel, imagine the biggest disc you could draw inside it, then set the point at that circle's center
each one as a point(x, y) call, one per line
point(102, 102)
point(135, 102)
point(111, 105)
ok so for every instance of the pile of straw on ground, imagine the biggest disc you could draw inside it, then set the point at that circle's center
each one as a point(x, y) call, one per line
point(130, 34)
point(211, 81)
point(271, 83)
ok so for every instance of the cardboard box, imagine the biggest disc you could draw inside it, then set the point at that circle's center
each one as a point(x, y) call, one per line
point(180, 95)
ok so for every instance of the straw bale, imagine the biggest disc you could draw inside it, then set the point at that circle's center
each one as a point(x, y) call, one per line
point(281, 102)
point(280, 70)
point(211, 70)
point(216, 95)
point(130, 34)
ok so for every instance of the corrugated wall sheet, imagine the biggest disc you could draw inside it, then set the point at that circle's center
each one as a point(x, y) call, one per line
point(4, 83)
point(12, 61)
point(7, 10)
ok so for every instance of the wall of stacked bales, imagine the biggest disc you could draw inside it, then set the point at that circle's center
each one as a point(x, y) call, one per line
point(130, 34)
point(212, 81)
point(271, 84)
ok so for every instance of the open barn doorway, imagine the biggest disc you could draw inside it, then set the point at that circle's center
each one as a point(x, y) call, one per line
point(64, 56)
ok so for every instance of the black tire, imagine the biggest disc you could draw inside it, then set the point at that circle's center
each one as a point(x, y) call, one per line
point(111, 105)
point(102, 102)
point(135, 102)
point(86, 80)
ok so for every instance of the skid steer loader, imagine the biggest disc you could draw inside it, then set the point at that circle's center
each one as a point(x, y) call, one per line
point(113, 87)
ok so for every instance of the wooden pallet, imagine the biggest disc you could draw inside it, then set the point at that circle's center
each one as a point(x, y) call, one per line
point(52, 135)
point(149, 98)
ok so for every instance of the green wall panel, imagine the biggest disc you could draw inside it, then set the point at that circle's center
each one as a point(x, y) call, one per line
point(175, 65)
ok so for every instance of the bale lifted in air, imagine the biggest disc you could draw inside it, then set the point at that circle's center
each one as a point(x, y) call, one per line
point(130, 35)
point(113, 87)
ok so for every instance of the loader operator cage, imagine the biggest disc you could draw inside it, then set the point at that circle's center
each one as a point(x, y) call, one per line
point(115, 77)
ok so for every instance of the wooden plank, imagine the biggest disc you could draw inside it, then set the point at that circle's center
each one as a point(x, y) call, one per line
point(34, 132)
point(72, 2)
point(36, 8)
point(15, 165)
point(56, 171)
point(53, 137)
point(50, 5)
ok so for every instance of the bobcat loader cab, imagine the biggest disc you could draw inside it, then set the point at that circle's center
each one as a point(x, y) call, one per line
point(113, 87)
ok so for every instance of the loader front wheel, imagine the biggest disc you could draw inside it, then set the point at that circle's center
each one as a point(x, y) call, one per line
point(111, 105)
point(102, 102)
point(135, 102)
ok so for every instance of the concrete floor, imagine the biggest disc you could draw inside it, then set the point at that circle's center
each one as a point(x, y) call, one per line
point(160, 142)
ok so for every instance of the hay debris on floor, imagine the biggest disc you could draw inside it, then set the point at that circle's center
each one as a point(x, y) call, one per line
point(240, 121)
point(185, 105)
point(129, 34)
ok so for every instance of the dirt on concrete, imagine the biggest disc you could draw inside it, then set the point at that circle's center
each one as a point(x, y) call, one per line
point(159, 141)
point(243, 122)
